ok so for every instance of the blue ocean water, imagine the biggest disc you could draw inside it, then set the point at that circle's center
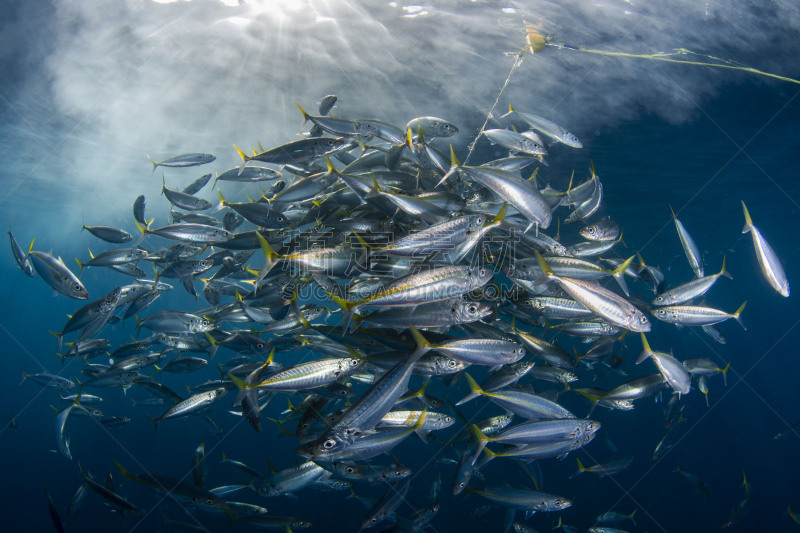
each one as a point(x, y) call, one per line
point(714, 140)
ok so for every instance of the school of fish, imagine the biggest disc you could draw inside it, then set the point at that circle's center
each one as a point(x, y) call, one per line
point(368, 274)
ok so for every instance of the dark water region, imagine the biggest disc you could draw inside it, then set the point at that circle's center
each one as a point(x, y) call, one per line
point(738, 144)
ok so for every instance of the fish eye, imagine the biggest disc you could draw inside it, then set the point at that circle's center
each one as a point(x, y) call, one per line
point(482, 272)
point(473, 309)
point(210, 501)
point(558, 502)
point(354, 362)
point(77, 287)
point(328, 444)
point(452, 363)
point(350, 470)
point(643, 319)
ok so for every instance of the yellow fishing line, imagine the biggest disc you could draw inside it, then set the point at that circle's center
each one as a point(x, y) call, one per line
point(661, 56)
point(536, 41)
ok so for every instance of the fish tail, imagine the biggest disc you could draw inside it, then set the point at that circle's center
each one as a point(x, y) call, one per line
point(499, 217)
point(306, 116)
point(222, 201)
point(58, 336)
point(421, 433)
point(510, 110)
point(376, 190)
point(284, 431)
point(630, 516)
point(422, 343)
point(245, 159)
point(547, 272)
point(154, 163)
point(723, 271)
point(619, 239)
point(454, 165)
point(80, 267)
point(619, 274)
point(243, 155)
point(122, 470)
point(474, 389)
point(748, 222)
point(214, 345)
point(482, 441)
point(737, 315)
point(646, 351)
point(581, 469)
point(348, 308)
point(269, 259)
point(725, 374)
point(142, 229)
point(155, 423)
point(241, 385)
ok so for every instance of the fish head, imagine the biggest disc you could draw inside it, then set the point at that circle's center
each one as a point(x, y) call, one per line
point(639, 322)
point(660, 300)
point(443, 129)
point(475, 222)
point(397, 473)
point(349, 470)
point(591, 427)
point(447, 365)
point(209, 501)
point(466, 311)
point(623, 405)
point(571, 140)
point(326, 446)
point(478, 277)
point(591, 232)
point(75, 289)
point(201, 324)
point(535, 305)
point(559, 503)
point(221, 235)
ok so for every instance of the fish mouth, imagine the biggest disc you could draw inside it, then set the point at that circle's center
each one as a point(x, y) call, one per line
point(305, 451)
